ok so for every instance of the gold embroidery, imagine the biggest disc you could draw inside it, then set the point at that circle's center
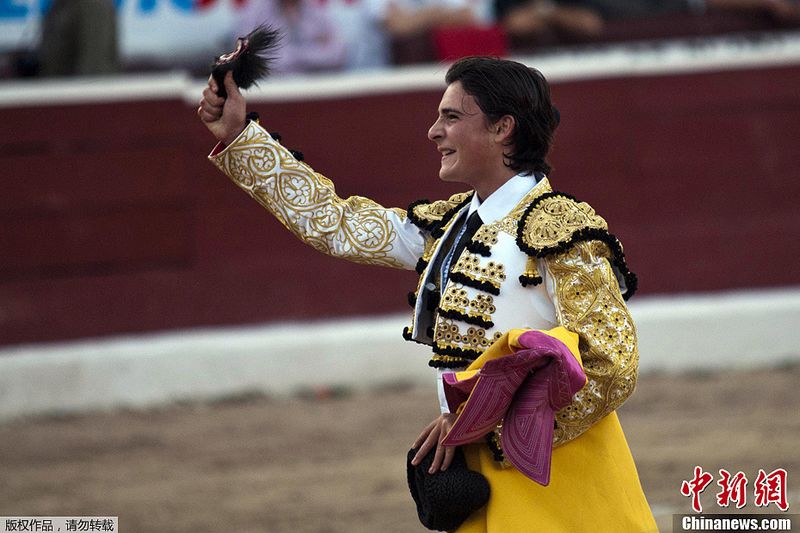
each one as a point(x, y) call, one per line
point(487, 235)
point(450, 359)
point(430, 246)
point(306, 203)
point(448, 336)
point(588, 302)
point(509, 223)
point(456, 299)
point(531, 275)
point(469, 265)
point(556, 219)
point(482, 306)
point(531, 270)
point(434, 211)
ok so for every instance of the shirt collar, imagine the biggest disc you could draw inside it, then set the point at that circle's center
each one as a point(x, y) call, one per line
point(501, 201)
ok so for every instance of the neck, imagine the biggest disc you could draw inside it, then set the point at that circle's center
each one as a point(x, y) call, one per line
point(485, 188)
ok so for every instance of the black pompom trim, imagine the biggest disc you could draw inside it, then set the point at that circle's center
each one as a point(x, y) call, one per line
point(497, 453)
point(582, 235)
point(474, 320)
point(436, 227)
point(530, 280)
point(479, 248)
point(434, 297)
point(276, 136)
point(438, 230)
point(448, 364)
point(407, 336)
point(412, 216)
point(421, 266)
point(468, 354)
point(412, 299)
point(484, 286)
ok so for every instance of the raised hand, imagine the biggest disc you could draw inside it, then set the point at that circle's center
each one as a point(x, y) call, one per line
point(224, 117)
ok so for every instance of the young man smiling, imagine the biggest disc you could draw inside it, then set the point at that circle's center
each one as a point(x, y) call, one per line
point(472, 148)
point(510, 255)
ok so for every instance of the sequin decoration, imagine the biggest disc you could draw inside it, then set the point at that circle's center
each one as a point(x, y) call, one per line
point(554, 218)
point(588, 302)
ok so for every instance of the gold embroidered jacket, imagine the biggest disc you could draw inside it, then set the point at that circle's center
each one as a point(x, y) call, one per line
point(549, 261)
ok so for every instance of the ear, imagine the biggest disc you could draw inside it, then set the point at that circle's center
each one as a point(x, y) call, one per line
point(504, 128)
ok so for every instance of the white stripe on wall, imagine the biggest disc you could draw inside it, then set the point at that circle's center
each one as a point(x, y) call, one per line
point(677, 333)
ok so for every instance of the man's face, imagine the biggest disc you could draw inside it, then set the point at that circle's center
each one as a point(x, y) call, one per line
point(463, 136)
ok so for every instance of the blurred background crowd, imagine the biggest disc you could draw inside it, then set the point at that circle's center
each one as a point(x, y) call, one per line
point(73, 37)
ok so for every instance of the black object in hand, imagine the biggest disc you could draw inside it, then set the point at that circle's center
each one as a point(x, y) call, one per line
point(250, 61)
point(447, 498)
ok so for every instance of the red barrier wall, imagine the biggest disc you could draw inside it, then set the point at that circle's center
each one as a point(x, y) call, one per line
point(113, 221)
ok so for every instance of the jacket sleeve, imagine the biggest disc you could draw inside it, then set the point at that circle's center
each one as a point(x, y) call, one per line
point(587, 298)
point(305, 202)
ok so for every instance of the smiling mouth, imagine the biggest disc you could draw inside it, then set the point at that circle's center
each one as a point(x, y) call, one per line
point(445, 152)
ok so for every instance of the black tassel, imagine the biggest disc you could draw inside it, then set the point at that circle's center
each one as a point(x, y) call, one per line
point(250, 61)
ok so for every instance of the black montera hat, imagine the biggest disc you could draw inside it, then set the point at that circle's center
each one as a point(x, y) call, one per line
point(445, 499)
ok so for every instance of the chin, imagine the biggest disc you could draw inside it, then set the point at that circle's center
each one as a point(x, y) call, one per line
point(447, 175)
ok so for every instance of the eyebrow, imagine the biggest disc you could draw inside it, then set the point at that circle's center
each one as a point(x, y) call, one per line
point(448, 110)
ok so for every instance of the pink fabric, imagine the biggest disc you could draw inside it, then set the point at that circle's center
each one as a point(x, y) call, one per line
point(524, 390)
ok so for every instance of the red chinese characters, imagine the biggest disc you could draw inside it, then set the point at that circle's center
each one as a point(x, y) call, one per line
point(733, 489)
point(768, 488)
point(695, 486)
point(771, 488)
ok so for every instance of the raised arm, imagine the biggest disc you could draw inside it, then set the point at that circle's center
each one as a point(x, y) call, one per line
point(304, 201)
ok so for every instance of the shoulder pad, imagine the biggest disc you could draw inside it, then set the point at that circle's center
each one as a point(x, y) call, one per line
point(432, 215)
point(553, 220)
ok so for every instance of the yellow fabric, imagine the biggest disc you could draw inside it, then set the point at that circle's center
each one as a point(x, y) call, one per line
point(594, 486)
point(509, 343)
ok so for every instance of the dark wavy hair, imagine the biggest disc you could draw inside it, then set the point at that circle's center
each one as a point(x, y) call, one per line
point(502, 87)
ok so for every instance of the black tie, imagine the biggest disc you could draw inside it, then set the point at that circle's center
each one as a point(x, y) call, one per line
point(464, 237)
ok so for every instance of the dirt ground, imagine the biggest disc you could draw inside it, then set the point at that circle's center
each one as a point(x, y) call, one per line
point(334, 462)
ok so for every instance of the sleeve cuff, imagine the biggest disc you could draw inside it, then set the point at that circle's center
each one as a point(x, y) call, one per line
point(440, 391)
point(221, 147)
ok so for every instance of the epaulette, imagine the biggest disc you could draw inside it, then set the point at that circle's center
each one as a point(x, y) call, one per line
point(434, 216)
point(554, 222)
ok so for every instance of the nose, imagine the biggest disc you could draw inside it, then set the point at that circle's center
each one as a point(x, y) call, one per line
point(435, 131)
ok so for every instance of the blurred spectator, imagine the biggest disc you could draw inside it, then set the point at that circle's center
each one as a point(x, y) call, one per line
point(310, 41)
point(533, 18)
point(359, 24)
point(369, 28)
point(405, 18)
point(585, 18)
point(625, 9)
point(79, 37)
point(427, 30)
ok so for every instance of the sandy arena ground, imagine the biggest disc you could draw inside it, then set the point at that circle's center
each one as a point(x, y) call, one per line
point(334, 462)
